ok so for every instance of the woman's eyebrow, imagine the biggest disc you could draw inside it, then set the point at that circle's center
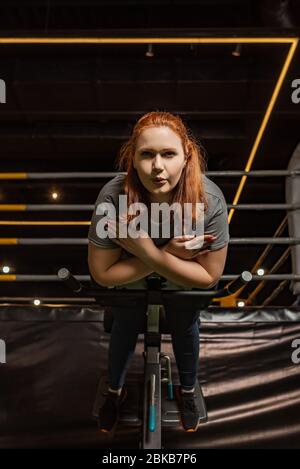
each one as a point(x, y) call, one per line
point(153, 149)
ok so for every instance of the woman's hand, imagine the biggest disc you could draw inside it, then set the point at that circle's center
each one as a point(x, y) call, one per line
point(140, 247)
point(179, 246)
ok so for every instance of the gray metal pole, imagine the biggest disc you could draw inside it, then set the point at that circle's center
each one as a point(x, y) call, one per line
point(84, 241)
point(59, 207)
point(86, 278)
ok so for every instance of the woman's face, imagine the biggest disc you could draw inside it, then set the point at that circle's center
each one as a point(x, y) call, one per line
point(159, 154)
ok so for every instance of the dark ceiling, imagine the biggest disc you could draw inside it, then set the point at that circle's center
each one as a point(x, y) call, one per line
point(70, 107)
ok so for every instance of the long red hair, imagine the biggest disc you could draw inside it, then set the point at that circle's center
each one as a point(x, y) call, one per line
point(190, 187)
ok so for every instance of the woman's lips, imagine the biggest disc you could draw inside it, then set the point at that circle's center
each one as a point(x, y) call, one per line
point(159, 182)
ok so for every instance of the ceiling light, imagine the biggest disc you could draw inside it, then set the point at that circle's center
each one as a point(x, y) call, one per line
point(237, 51)
point(260, 272)
point(149, 52)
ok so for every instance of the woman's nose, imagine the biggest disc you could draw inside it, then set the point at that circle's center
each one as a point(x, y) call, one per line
point(157, 162)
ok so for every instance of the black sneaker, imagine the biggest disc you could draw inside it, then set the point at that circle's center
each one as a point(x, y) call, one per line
point(109, 413)
point(189, 412)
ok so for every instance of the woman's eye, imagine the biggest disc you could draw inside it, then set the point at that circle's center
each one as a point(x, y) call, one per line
point(148, 153)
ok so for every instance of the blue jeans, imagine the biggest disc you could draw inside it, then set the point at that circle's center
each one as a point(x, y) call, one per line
point(184, 329)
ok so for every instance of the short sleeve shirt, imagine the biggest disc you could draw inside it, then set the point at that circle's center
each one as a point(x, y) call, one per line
point(215, 222)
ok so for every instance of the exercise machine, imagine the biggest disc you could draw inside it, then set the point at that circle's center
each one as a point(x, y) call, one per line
point(151, 404)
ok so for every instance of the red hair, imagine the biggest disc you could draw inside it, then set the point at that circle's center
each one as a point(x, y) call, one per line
point(190, 187)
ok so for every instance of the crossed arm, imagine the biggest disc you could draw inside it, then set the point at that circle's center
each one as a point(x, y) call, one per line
point(202, 271)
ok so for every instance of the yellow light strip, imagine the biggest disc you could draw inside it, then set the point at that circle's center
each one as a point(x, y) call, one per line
point(146, 40)
point(13, 175)
point(14, 207)
point(7, 241)
point(264, 123)
point(30, 223)
point(7, 278)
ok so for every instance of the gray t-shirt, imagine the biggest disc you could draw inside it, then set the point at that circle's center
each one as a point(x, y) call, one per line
point(215, 222)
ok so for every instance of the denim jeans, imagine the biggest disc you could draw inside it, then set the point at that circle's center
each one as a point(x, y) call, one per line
point(184, 329)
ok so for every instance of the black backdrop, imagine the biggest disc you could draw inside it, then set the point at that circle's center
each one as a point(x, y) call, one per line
point(56, 355)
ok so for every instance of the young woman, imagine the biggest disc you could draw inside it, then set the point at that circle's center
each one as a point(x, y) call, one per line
point(163, 163)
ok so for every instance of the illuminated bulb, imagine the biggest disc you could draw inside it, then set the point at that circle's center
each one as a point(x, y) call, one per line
point(241, 304)
point(260, 272)
point(54, 195)
point(149, 52)
point(36, 302)
point(237, 51)
point(6, 269)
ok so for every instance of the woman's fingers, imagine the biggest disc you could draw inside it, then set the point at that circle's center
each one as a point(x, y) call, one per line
point(199, 241)
point(205, 237)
